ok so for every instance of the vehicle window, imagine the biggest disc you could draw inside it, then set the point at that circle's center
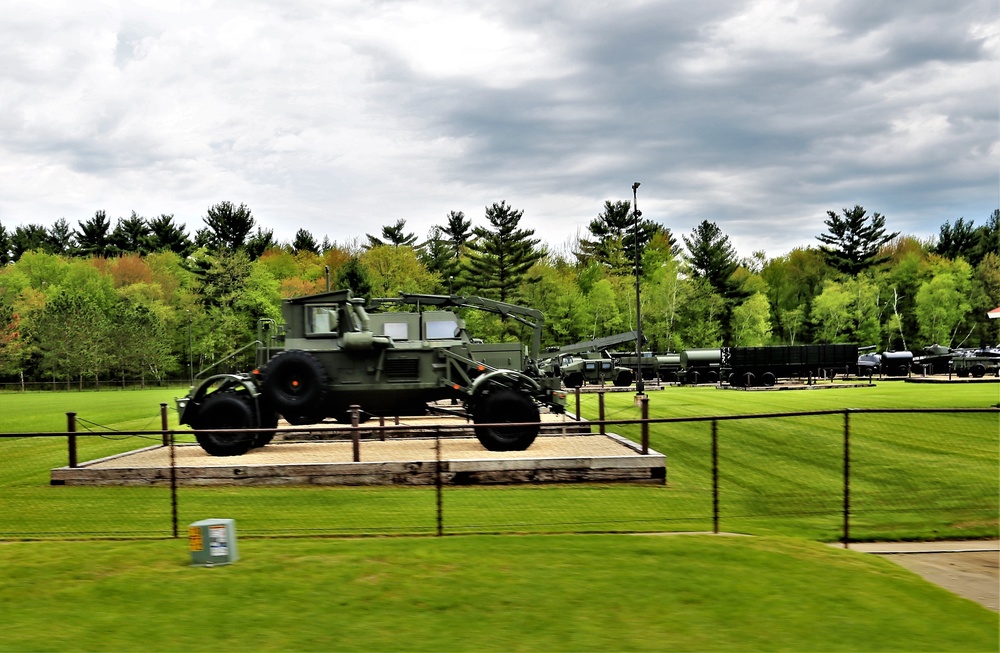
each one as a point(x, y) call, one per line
point(321, 320)
point(396, 330)
point(443, 330)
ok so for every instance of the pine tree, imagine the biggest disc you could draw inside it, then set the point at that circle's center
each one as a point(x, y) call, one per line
point(854, 240)
point(500, 257)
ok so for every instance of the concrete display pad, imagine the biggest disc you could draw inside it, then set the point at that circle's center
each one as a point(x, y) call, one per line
point(395, 461)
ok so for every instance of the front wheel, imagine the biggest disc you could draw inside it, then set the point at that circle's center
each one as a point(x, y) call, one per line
point(226, 410)
point(506, 407)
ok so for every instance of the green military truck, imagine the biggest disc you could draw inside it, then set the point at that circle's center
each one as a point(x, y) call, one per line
point(390, 356)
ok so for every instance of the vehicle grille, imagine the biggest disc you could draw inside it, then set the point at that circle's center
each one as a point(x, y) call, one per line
point(402, 369)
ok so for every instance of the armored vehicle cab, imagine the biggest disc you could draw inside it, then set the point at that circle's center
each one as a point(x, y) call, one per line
point(337, 354)
point(592, 367)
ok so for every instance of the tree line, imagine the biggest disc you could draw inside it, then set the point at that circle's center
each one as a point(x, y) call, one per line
point(146, 300)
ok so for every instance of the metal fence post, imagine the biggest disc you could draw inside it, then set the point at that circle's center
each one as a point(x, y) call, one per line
point(715, 476)
point(355, 437)
point(847, 478)
point(600, 408)
point(644, 400)
point(71, 440)
point(438, 484)
point(173, 482)
point(163, 423)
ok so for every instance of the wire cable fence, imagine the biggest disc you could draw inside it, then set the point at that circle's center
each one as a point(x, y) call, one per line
point(839, 475)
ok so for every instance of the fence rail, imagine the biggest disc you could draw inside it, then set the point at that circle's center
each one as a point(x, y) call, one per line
point(834, 475)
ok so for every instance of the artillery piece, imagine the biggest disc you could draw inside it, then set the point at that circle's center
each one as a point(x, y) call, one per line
point(338, 352)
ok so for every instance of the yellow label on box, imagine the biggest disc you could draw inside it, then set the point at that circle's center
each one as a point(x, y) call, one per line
point(194, 539)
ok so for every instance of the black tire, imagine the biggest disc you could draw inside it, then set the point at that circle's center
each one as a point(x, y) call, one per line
point(226, 410)
point(506, 406)
point(978, 370)
point(623, 378)
point(712, 376)
point(296, 383)
point(268, 420)
point(767, 379)
point(748, 380)
point(694, 376)
point(573, 380)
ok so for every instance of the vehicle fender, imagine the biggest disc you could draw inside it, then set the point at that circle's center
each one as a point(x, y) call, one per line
point(507, 378)
point(187, 407)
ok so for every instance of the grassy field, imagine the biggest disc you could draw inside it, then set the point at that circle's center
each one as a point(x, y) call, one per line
point(917, 475)
point(479, 593)
point(914, 476)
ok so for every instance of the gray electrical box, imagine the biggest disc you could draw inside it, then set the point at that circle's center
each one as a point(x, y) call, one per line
point(212, 542)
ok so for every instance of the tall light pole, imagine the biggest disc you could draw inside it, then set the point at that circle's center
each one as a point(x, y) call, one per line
point(636, 214)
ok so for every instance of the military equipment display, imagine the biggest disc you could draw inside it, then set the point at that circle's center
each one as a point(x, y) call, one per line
point(977, 363)
point(700, 366)
point(589, 362)
point(337, 351)
point(763, 366)
point(663, 367)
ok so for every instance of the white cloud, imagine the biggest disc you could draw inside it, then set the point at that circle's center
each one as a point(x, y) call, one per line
point(343, 117)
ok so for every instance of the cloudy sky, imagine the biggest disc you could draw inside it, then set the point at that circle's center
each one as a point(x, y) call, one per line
point(344, 116)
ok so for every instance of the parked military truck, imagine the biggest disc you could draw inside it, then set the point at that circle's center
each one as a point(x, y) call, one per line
point(334, 353)
point(589, 362)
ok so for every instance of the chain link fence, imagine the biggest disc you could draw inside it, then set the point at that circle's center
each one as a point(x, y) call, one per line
point(831, 475)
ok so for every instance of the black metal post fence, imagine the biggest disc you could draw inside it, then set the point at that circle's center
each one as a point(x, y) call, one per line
point(739, 496)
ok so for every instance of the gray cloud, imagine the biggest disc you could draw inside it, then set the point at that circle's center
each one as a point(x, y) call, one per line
point(342, 119)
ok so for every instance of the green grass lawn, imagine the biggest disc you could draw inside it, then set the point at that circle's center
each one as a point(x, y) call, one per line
point(479, 593)
point(914, 476)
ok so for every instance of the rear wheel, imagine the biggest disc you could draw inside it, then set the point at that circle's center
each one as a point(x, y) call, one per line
point(506, 407)
point(767, 378)
point(748, 380)
point(226, 410)
point(978, 370)
point(623, 378)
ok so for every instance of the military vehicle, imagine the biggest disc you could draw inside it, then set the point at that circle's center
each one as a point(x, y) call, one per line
point(334, 353)
point(589, 362)
point(976, 362)
point(651, 365)
point(764, 366)
point(700, 366)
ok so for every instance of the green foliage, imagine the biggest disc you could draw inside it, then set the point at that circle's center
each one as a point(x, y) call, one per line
point(394, 236)
point(943, 302)
point(700, 312)
point(228, 226)
point(165, 235)
point(713, 301)
point(854, 239)
point(500, 257)
point(711, 256)
point(393, 270)
point(93, 237)
point(752, 322)
point(305, 241)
